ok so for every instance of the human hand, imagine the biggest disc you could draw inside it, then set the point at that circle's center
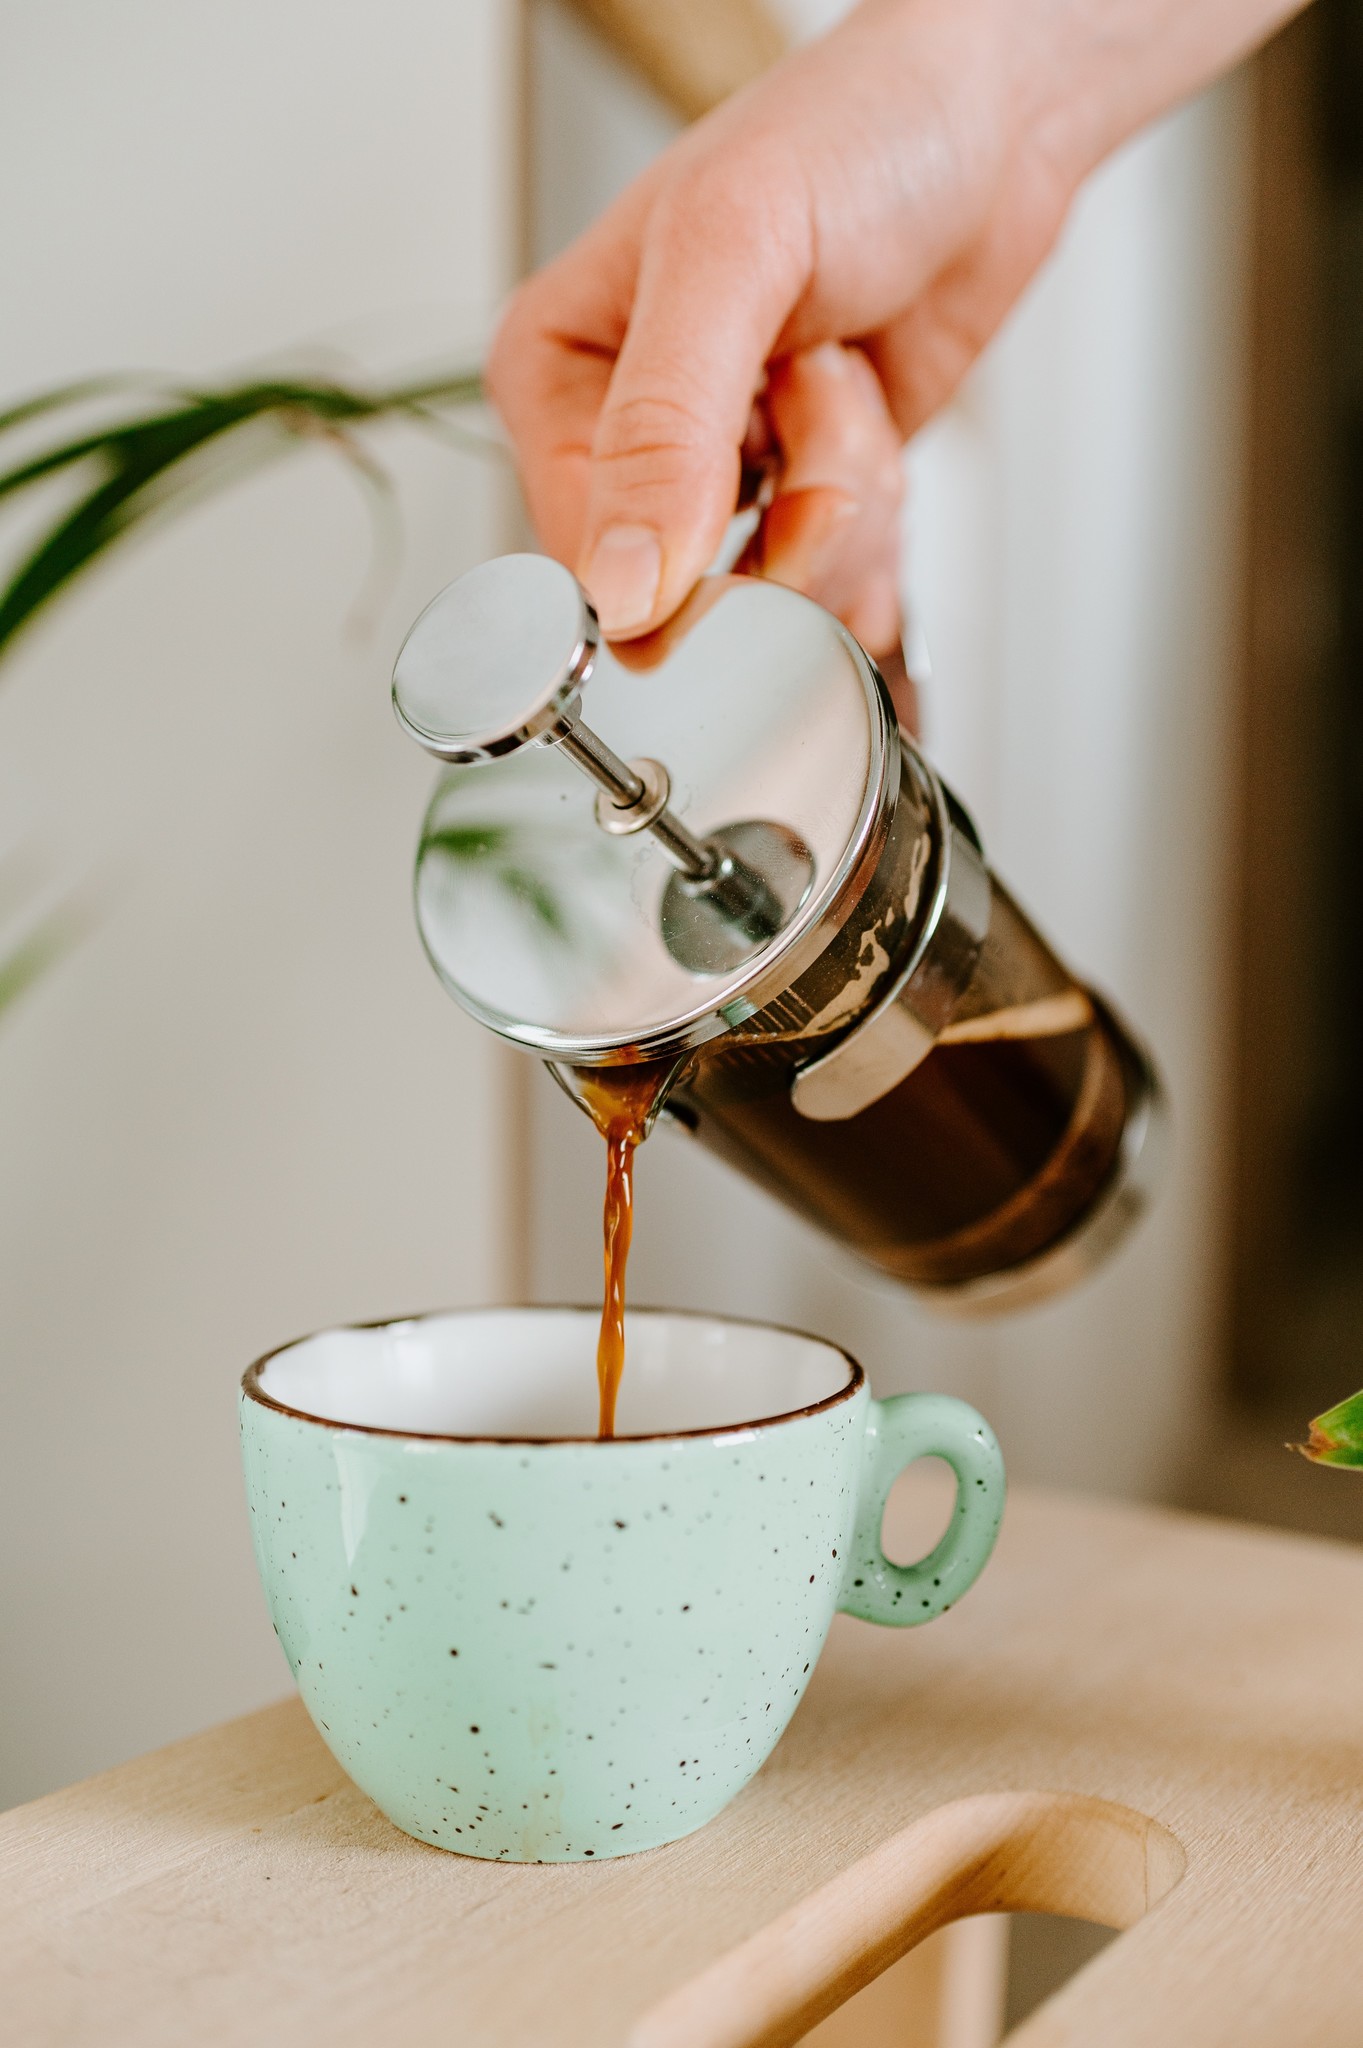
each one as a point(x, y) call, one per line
point(893, 186)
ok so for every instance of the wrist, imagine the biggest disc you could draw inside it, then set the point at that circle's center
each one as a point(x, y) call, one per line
point(1089, 74)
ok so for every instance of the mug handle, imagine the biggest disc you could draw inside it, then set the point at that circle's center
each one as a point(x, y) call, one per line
point(906, 1427)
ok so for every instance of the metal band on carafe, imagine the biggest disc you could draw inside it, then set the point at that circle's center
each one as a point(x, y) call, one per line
point(901, 1030)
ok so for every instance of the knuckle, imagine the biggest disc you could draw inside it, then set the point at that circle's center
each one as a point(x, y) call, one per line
point(704, 197)
point(524, 330)
point(743, 198)
point(659, 433)
point(508, 347)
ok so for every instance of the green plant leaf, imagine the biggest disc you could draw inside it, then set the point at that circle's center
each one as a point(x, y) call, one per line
point(138, 457)
point(170, 450)
point(1337, 1435)
point(142, 465)
point(40, 948)
point(502, 850)
point(142, 446)
point(467, 842)
point(66, 394)
point(534, 892)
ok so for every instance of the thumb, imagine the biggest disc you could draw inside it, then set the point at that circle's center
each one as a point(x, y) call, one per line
point(713, 291)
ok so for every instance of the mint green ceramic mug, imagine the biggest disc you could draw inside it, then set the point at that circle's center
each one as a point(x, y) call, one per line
point(525, 1643)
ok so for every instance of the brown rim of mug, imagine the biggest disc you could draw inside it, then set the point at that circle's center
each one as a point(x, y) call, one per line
point(252, 1389)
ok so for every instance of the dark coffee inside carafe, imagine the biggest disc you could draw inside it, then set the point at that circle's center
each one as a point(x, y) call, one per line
point(982, 1158)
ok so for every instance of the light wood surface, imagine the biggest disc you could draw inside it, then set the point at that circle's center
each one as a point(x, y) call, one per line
point(949, 1992)
point(694, 53)
point(1136, 1717)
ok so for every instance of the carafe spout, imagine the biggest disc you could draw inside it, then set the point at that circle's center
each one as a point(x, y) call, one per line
point(624, 1097)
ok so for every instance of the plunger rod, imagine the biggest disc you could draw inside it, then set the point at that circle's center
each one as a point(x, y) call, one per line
point(625, 789)
point(735, 889)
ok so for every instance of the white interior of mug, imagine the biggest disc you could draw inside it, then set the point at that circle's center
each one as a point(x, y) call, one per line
point(532, 1373)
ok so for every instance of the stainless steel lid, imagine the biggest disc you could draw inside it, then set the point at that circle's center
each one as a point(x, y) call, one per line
point(582, 925)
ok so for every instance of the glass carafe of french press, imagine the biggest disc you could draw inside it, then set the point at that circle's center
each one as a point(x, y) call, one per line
point(712, 854)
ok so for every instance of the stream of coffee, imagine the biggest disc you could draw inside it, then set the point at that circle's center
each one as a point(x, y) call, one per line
point(621, 1102)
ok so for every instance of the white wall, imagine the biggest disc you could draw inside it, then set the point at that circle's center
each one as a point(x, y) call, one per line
point(1071, 552)
point(243, 1107)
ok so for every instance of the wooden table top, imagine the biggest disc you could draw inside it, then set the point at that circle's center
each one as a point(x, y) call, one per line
point(1137, 1717)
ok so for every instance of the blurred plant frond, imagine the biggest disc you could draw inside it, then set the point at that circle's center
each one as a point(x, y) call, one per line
point(135, 447)
point(177, 441)
point(1337, 1435)
point(502, 853)
point(25, 958)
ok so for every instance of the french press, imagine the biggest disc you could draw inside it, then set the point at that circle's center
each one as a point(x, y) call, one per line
point(712, 852)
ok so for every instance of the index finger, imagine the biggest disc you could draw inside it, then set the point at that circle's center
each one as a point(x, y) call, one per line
point(625, 373)
point(550, 367)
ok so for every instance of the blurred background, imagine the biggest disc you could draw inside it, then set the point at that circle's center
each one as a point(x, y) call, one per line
point(239, 1106)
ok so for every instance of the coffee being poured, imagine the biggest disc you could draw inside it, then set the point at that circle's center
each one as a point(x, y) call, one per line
point(622, 1102)
point(741, 877)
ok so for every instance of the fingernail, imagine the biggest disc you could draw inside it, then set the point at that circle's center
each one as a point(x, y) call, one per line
point(622, 576)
